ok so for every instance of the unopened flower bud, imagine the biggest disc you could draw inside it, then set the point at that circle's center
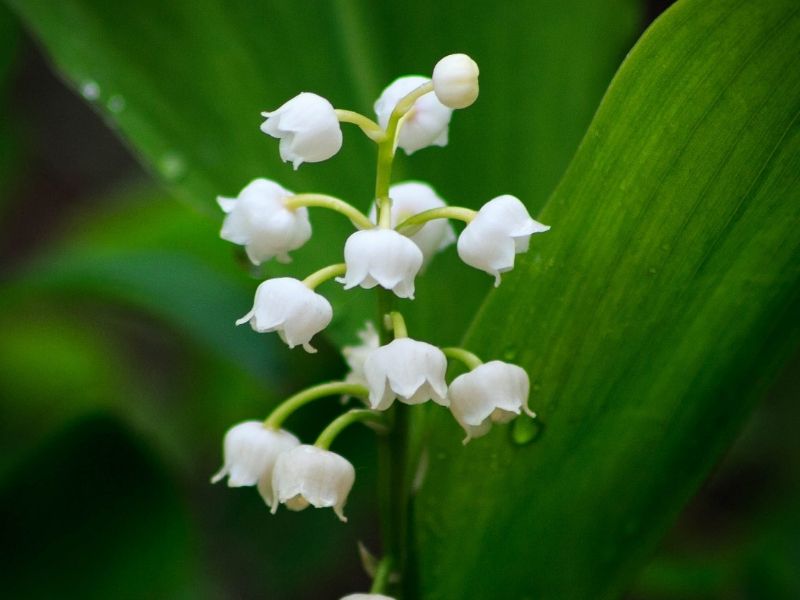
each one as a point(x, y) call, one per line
point(455, 80)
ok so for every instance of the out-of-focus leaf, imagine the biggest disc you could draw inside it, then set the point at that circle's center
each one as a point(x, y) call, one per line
point(9, 150)
point(649, 318)
point(156, 255)
point(92, 515)
point(185, 86)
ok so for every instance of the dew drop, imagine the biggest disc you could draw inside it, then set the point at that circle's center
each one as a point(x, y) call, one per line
point(116, 104)
point(90, 90)
point(172, 165)
point(525, 430)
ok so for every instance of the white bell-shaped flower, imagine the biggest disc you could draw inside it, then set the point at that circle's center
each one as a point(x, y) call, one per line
point(408, 370)
point(381, 257)
point(356, 356)
point(455, 80)
point(259, 220)
point(501, 229)
point(307, 127)
point(424, 125)
point(410, 198)
point(288, 306)
point(494, 392)
point(366, 597)
point(250, 451)
point(307, 475)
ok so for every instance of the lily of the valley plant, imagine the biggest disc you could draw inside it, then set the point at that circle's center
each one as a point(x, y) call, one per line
point(395, 238)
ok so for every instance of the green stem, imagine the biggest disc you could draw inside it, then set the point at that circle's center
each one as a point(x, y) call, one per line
point(382, 574)
point(464, 356)
point(372, 130)
point(333, 388)
point(358, 218)
point(398, 325)
point(324, 274)
point(386, 150)
point(411, 224)
point(336, 426)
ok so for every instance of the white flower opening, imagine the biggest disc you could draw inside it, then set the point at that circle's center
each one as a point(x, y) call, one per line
point(259, 220)
point(455, 80)
point(426, 124)
point(408, 370)
point(307, 475)
point(288, 306)
point(501, 229)
point(308, 129)
point(494, 392)
point(413, 197)
point(381, 257)
point(250, 451)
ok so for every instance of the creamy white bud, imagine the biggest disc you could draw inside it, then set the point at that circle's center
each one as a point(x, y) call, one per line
point(355, 356)
point(250, 452)
point(381, 257)
point(288, 306)
point(307, 127)
point(408, 370)
point(307, 475)
point(413, 197)
point(259, 220)
point(494, 392)
point(455, 80)
point(501, 229)
point(366, 597)
point(424, 125)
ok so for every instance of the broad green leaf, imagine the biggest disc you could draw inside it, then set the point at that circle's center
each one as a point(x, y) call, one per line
point(649, 318)
point(185, 85)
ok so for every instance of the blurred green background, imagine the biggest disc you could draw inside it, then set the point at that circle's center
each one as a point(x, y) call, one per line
point(120, 368)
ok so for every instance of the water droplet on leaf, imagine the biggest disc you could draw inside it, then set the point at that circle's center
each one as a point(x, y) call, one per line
point(90, 90)
point(116, 104)
point(172, 165)
point(525, 430)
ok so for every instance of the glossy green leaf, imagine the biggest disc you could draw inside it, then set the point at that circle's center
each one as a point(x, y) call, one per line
point(185, 85)
point(649, 317)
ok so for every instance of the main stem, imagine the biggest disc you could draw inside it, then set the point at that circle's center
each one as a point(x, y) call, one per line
point(393, 489)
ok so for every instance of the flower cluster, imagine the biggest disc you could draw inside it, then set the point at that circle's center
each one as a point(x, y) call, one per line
point(406, 225)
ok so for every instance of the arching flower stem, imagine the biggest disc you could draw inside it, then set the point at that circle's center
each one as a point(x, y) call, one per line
point(324, 274)
point(333, 388)
point(356, 415)
point(464, 356)
point(358, 218)
point(370, 128)
point(413, 223)
point(382, 574)
point(386, 150)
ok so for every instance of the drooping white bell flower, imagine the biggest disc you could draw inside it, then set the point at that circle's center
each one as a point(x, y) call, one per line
point(259, 220)
point(250, 451)
point(288, 306)
point(424, 125)
point(408, 370)
point(307, 127)
point(501, 229)
point(410, 198)
point(366, 597)
point(307, 475)
point(355, 356)
point(494, 392)
point(455, 80)
point(381, 257)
